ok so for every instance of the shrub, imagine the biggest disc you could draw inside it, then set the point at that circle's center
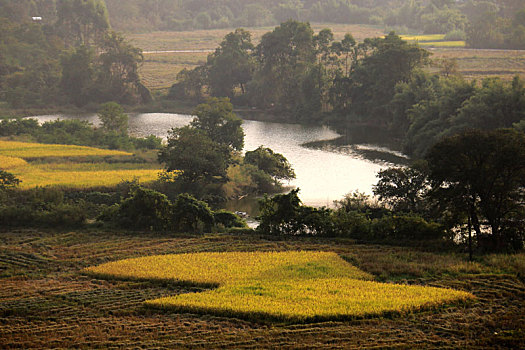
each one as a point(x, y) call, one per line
point(228, 219)
point(406, 227)
point(145, 209)
point(456, 35)
point(191, 215)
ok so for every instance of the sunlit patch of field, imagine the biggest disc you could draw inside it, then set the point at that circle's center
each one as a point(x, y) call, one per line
point(433, 40)
point(27, 150)
point(289, 286)
point(427, 37)
point(7, 163)
point(82, 179)
point(61, 172)
point(458, 43)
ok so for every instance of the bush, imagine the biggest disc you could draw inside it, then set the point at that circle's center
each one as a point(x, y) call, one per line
point(283, 214)
point(456, 35)
point(406, 227)
point(191, 215)
point(228, 219)
point(145, 209)
point(352, 224)
point(63, 215)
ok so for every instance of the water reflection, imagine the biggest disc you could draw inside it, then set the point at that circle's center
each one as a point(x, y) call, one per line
point(323, 174)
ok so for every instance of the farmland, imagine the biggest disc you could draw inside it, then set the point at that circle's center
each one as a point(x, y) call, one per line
point(71, 166)
point(291, 286)
point(160, 69)
point(47, 301)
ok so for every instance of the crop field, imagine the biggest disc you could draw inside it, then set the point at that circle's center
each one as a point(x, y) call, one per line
point(46, 301)
point(159, 70)
point(50, 165)
point(434, 40)
point(28, 150)
point(290, 286)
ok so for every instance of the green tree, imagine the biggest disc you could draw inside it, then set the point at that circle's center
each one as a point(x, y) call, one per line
point(144, 209)
point(78, 74)
point(231, 65)
point(118, 77)
point(82, 22)
point(113, 118)
point(284, 56)
point(283, 214)
point(191, 215)
point(481, 174)
point(217, 120)
point(272, 163)
point(403, 188)
point(195, 155)
point(387, 62)
point(8, 180)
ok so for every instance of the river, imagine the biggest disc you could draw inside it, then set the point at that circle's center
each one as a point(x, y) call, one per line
point(324, 174)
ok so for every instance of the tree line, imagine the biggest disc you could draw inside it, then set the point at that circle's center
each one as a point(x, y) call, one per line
point(468, 190)
point(475, 20)
point(311, 78)
point(70, 56)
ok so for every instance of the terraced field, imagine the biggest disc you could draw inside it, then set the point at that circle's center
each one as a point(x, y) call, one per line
point(38, 164)
point(46, 302)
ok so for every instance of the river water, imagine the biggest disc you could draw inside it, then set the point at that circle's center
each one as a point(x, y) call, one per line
point(324, 174)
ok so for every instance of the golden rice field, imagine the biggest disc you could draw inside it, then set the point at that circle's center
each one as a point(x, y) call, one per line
point(28, 150)
point(61, 172)
point(434, 40)
point(286, 286)
point(7, 163)
point(82, 179)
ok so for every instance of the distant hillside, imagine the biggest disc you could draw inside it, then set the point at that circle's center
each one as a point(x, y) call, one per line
point(428, 16)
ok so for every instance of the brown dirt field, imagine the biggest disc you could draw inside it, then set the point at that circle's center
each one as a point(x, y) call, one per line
point(46, 302)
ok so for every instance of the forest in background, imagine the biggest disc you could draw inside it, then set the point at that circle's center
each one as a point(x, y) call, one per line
point(484, 23)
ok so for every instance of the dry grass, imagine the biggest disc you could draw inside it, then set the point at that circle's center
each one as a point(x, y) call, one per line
point(210, 39)
point(159, 70)
point(479, 64)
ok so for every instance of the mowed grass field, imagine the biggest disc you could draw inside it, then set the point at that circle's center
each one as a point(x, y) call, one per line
point(160, 70)
point(71, 166)
point(46, 300)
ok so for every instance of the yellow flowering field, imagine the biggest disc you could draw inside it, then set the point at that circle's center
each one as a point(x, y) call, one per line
point(28, 150)
point(285, 286)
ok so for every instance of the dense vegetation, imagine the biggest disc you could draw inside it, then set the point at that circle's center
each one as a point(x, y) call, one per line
point(312, 78)
point(469, 190)
point(486, 23)
point(70, 56)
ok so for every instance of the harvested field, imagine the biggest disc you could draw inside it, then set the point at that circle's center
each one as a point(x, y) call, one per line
point(46, 302)
point(160, 69)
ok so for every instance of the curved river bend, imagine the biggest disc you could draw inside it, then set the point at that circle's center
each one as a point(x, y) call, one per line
point(323, 176)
